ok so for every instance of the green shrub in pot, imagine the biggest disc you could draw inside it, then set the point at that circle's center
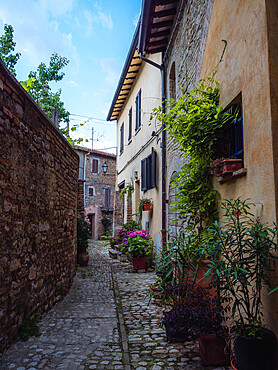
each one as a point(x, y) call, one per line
point(240, 272)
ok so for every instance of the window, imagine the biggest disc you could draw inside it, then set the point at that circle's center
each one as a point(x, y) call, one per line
point(172, 82)
point(138, 111)
point(232, 146)
point(236, 137)
point(148, 172)
point(130, 125)
point(95, 166)
point(91, 191)
point(107, 197)
point(122, 139)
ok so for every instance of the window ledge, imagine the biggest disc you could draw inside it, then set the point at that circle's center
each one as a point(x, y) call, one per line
point(136, 132)
point(129, 141)
point(239, 173)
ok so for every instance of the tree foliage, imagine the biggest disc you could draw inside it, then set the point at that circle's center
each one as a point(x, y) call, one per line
point(7, 46)
point(38, 82)
point(40, 89)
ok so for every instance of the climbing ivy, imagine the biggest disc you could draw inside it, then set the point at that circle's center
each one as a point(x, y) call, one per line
point(197, 123)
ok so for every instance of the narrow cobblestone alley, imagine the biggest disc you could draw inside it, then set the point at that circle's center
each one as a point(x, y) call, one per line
point(105, 322)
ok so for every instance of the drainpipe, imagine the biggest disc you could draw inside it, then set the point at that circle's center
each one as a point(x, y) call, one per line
point(163, 148)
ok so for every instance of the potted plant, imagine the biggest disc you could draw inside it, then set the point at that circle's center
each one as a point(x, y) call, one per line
point(131, 226)
point(225, 166)
point(129, 189)
point(157, 289)
point(247, 248)
point(144, 205)
point(139, 246)
point(195, 314)
point(113, 242)
point(187, 258)
point(83, 234)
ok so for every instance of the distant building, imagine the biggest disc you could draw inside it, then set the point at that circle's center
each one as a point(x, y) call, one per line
point(98, 171)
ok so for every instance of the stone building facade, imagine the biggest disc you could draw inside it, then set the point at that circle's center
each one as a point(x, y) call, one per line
point(237, 40)
point(183, 63)
point(99, 187)
point(38, 207)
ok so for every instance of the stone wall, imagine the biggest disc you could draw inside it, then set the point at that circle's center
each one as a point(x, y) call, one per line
point(183, 61)
point(38, 200)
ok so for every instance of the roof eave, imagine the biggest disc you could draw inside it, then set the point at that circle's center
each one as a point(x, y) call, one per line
point(125, 69)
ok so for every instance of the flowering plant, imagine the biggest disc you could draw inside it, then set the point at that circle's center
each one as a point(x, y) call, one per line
point(138, 243)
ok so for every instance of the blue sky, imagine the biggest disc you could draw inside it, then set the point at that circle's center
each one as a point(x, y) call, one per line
point(93, 35)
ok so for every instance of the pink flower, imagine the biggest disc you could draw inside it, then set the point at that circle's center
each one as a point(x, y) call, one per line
point(148, 235)
point(143, 231)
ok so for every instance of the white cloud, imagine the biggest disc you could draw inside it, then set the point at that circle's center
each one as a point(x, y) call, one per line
point(90, 21)
point(36, 33)
point(73, 84)
point(56, 8)
point(105, 18)
point(112, 70)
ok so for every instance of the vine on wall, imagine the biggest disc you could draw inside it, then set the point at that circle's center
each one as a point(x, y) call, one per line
point(197, 122)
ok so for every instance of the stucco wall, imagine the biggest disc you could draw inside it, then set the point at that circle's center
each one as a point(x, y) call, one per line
point(38, 201)
point(245, 70)
point(149, 81)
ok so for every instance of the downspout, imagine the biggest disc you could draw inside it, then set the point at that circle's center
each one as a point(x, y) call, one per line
point(163, 143)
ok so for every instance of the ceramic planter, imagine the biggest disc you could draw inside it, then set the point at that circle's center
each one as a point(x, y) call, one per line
point(214, 350)
point(139, 263)
point(83, 259)
point(255, 354)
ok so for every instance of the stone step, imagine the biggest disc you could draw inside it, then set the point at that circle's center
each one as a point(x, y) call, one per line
point(113, 253)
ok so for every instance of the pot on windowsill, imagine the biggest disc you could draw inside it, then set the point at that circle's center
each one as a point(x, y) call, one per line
point(83, 259)
point(226, 166)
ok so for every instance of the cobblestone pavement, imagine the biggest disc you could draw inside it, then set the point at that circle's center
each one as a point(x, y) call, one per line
point(105, 322)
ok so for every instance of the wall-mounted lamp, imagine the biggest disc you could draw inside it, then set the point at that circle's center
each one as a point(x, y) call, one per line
point(104, 167)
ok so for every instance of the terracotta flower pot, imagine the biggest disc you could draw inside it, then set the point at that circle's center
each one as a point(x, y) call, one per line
point(158, 293)
point(83, 259)
point(213, 350)
point(200, 278)
point(147, 206)
point(226, 166)
point(139, 263)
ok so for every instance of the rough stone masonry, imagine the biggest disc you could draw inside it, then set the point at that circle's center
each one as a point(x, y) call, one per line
point(38, 200)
